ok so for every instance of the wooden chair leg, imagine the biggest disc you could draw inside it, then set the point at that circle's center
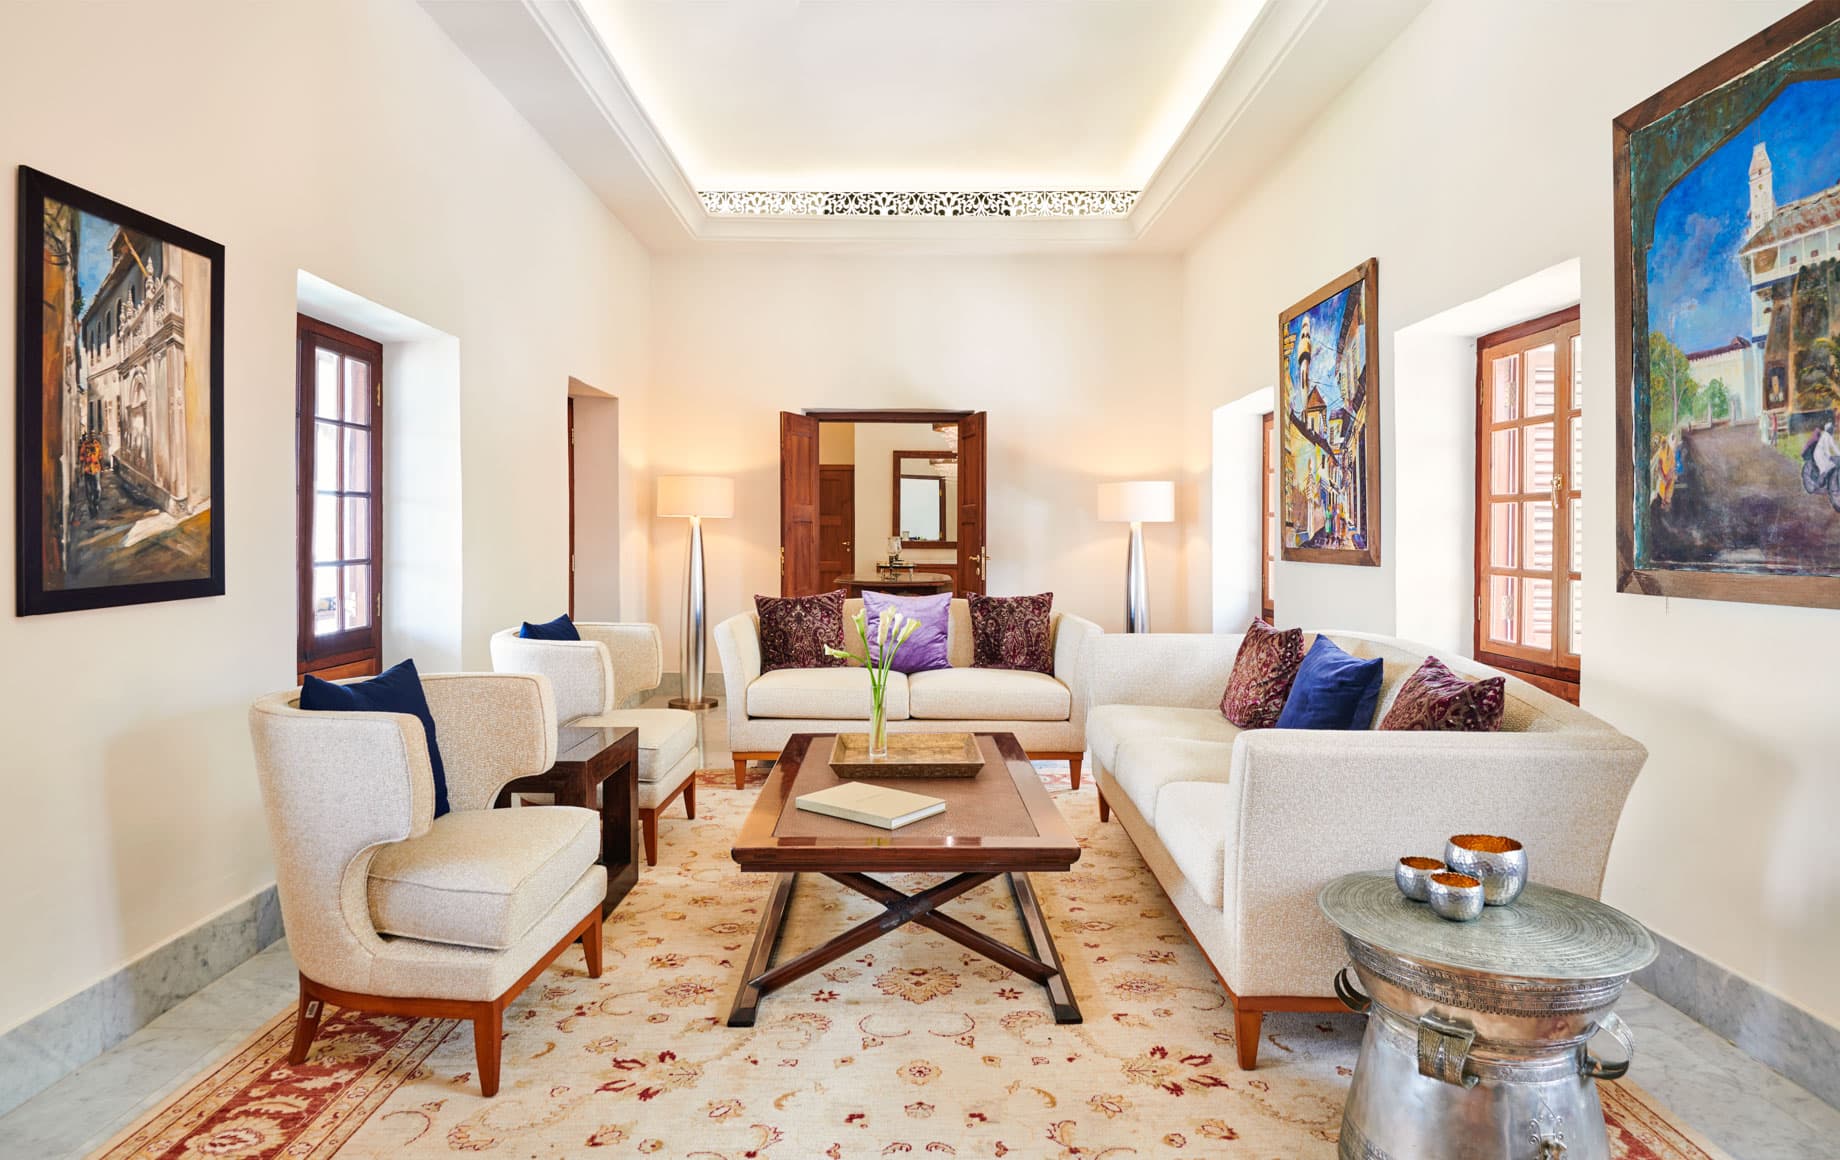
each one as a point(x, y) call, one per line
point(1073, 765)
point(648, 824)
point(690, 798)
point(1105, 808)
point(306, 1025)
point(740, 773)
point(591, 947)
point(489, 1046)
point(1246, 1025)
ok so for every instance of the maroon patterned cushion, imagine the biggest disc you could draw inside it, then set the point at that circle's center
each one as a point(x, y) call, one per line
point(1011, 632)
point(1262, 675)
point(1436, 699)
point(795, 629)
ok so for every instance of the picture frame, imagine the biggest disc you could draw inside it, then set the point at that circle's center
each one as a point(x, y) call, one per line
point(1328, 411)
point(1724, 367)
point(120, 346)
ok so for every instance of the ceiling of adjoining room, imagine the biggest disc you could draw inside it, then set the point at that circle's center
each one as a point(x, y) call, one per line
point(853, 95)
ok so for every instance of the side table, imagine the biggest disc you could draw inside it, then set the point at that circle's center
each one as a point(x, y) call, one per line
point(597, 769)
point(1477, 1031)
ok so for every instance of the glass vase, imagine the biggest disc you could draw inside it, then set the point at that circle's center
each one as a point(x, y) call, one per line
point(878, 729)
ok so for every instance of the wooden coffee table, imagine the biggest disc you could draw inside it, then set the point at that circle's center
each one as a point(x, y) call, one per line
point(1000, 822)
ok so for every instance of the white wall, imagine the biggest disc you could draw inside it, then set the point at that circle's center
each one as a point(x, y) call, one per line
point(597, 504)
point(1077, 361)
point(350, 138)
point(1235, 511)
point(1474, 152)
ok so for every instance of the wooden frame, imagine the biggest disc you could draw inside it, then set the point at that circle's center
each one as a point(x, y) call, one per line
point(1367, 277)
point(487, 1015)
point(1555, 669)
point(1632, 306)
point(927, 456)
point(352, 652)
point(849, 860)
point(35, 549)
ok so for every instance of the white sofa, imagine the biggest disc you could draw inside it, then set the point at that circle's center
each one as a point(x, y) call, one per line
point(615, 665)
point(1243, 827)
point(1046, 713)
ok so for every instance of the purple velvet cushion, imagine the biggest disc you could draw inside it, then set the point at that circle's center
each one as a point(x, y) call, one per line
point(924, 650)
point(1263, 670)
point(1011, 632)
point(1438, 700)
point(795, 629)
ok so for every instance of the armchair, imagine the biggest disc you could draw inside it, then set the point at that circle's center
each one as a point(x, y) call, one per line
point(390, 909)
point(611, 665)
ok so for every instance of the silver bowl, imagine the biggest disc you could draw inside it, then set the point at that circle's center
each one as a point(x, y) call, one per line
point(1411, 875)
point(1499, 863)
point(1455, 896)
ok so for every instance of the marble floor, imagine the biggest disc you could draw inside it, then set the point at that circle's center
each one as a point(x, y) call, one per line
point(1747, 1109)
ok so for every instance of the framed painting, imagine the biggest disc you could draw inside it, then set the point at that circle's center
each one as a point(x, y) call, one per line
point(120, 404)
point(1727, 324)
point(1329, 444)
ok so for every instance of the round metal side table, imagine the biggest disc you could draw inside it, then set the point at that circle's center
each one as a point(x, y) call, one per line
point(1476, 1033)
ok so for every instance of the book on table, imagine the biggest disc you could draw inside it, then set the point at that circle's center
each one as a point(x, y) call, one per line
point(873, 805)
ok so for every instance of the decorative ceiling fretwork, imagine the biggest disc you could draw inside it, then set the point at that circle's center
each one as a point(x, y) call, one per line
point(1047, 203)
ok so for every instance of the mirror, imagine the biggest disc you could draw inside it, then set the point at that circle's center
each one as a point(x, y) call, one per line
point(926, 498)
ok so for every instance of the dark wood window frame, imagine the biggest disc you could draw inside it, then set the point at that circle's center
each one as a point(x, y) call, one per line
point(356, 651)
point(928, 457)
point(1559, 674)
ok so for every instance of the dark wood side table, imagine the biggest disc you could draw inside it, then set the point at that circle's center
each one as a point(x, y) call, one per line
point(597, 769)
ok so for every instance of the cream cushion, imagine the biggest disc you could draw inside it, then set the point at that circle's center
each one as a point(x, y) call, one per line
point(839, 693)
point(1146, 767)
point(482, 878)
point(987, 694)
point(665, 735)
point(1190, 821)
point(1109, 725)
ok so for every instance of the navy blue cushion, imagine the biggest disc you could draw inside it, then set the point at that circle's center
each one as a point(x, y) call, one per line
point(1332, 691)
point(561, 628)
point(397, 690)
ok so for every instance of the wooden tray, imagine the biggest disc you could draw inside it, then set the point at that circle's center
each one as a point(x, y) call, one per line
point(909, 755)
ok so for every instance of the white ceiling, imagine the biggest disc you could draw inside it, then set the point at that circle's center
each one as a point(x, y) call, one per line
point(1183, 102)
point(920, 94)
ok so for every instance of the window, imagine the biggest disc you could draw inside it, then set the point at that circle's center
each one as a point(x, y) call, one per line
point(1268, 518)
point(1529, 506)
point(339, 408)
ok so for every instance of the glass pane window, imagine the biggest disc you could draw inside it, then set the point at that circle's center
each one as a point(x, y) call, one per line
point(357, 595)
point(1504, 609)
point(357, 538)
point(325, 457)
point(357, 391)
point(1540, 542)
point(326, 384)
point(1537, 618)
point(1576, 482)
point(325, 529)
point(1507, 390)
point(1577, 645)
point(325, 607)
point(339, 375)
point(1504, 535)
point(1542, 447)
point(357, 460)
point(1504, 461)
point(1541, 386)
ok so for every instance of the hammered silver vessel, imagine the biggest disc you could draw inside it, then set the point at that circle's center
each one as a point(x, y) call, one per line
point(1476, 1033)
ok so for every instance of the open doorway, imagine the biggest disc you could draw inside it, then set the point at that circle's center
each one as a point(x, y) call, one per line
point(884, 499)
point(594, 503)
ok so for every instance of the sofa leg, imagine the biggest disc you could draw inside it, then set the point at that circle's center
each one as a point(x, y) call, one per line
point(1073, 765)
point(1105, 808)
point(306, 1025)
point(591, 946)
point(648, 826)
point(690, 798)
point(1246, 1025)
point(488, 1046)
point(740, 773)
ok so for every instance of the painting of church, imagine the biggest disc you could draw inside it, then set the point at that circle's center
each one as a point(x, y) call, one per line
point(123, 443)
point(1328, 497)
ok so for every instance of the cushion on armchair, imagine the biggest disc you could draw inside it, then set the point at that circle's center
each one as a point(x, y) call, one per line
point(1263, 670)
point(795, 629)
point(482, 878)
point(397, 690)
point(561, 628)
point(1436, 699)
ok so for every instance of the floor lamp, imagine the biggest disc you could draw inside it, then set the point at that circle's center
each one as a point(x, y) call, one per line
point(696, 498)
point(1137, 502)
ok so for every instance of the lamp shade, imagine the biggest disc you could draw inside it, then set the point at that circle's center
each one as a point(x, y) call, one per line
point(709, 496)
point(1138, 501)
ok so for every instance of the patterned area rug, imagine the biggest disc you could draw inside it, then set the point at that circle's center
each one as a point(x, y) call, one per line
point(914, 1047)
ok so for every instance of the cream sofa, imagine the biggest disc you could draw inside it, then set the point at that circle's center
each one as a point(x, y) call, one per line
point(1046, 713)
point(1243, 827)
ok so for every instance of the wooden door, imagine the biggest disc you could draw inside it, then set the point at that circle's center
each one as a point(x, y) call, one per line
point(798, 504)
point(973, 555)
point(836, 525)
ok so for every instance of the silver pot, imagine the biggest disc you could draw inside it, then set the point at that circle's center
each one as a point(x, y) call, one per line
point(1500, 864)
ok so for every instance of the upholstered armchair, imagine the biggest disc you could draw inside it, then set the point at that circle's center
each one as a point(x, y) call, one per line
point(611, 665)
point(390, 909)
